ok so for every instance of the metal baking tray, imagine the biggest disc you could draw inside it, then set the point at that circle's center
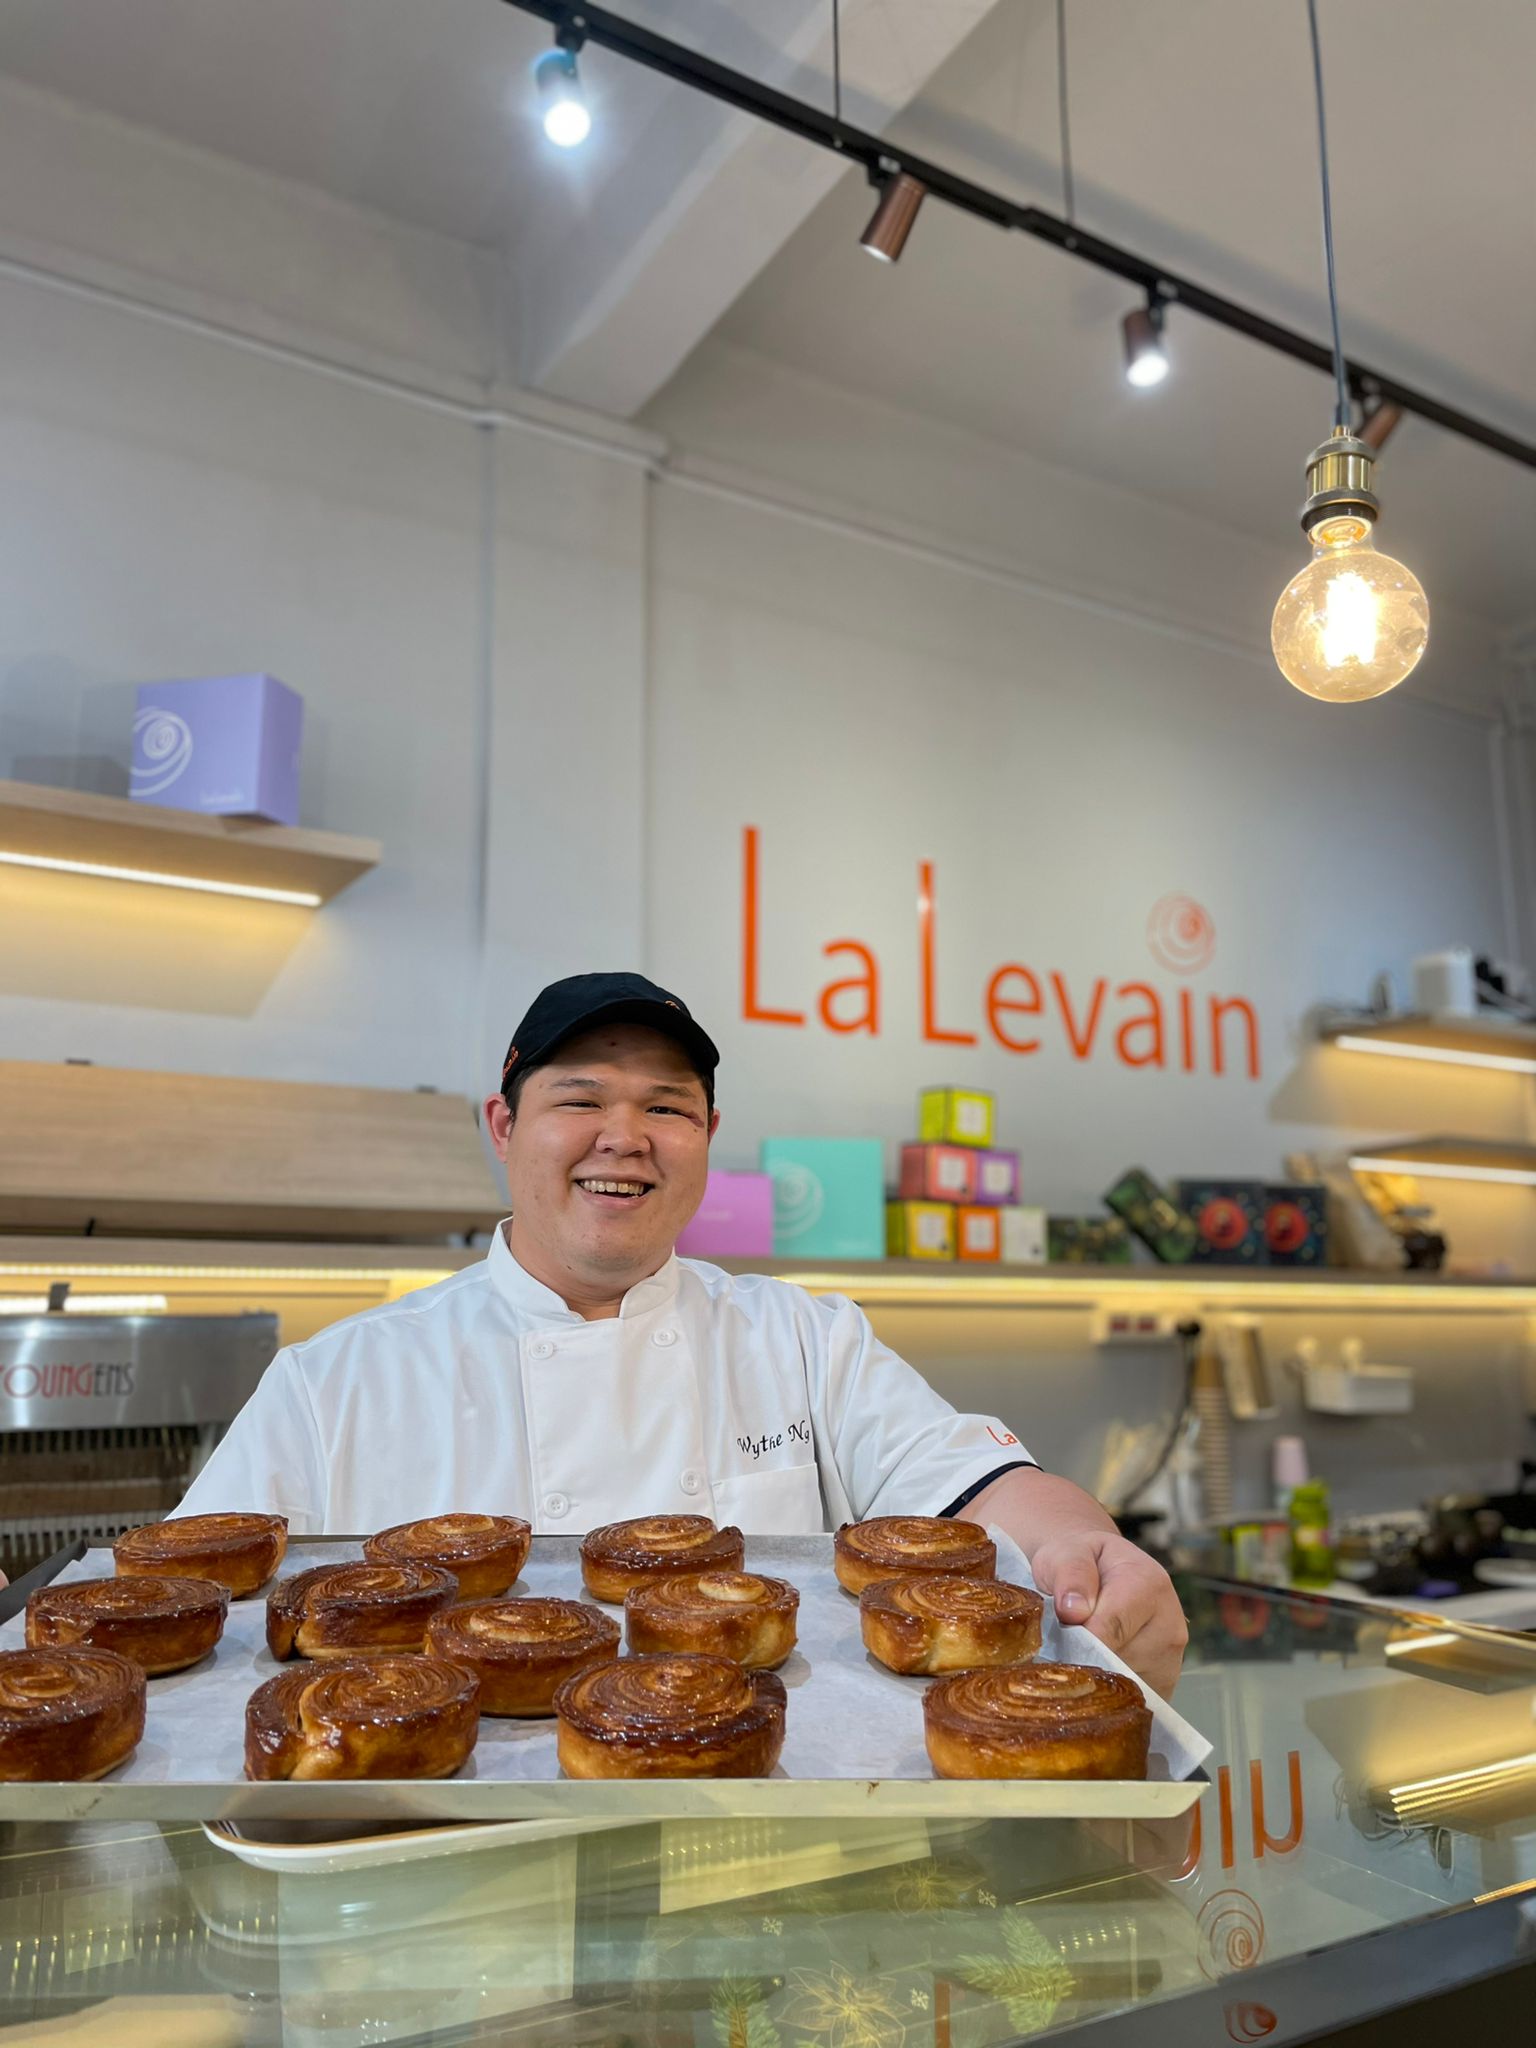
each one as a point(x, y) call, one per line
point(853, 1741)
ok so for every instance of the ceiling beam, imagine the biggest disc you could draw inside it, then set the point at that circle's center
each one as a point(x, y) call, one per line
point(577, 23)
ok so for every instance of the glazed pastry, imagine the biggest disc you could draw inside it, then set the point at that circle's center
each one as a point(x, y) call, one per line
point(238, 1551)
point(1037, 1721)
point(485, 1553)
point(942, 1623)
point(898, 1546)
point(73, 1714)
point(378, 1717)
point(521, 1650)
point(622, 1555)
point(670, 1717)
point(740, 1615)
point(356, 1610)
point(159, 1624)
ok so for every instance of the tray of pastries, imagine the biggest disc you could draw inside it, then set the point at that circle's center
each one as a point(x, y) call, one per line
point(459, 1669)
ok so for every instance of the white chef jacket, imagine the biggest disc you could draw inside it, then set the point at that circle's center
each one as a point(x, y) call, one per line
point(739, 1397)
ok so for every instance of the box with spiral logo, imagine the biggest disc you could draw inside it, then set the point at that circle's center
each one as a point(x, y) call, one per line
point(225, 745)
point(1229, 1215)
point(1296, 1223)
point(828, 1197)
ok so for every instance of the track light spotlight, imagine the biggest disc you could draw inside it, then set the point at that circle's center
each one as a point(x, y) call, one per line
point(1146, 360)
point(566, 117)
point(1379, 425)
point(891, 222)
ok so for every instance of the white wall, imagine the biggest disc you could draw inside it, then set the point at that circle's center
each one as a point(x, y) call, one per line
point(557, 677)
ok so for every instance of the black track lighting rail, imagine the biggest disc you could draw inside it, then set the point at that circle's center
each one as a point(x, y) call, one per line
point(576, 24)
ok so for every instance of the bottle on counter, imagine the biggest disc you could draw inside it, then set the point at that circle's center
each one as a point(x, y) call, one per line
point(1289, 1466)
point(1311, 1537)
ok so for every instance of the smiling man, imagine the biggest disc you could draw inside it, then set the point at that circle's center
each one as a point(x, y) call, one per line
point(583, 1373)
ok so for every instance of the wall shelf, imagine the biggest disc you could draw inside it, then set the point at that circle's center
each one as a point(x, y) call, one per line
point(1483, 1040)
point(77, 832)
point(1451, 1159)
point(248, 1270)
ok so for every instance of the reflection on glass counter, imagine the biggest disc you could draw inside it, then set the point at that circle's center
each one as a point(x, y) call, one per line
point(1373, 1773)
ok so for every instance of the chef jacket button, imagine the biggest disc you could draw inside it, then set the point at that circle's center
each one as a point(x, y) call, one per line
point(557, 1504)
point(541, 1348)
point(691, 1481)
point(663, 1336)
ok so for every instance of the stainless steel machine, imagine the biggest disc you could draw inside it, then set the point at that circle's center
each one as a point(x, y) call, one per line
point(105, 1419)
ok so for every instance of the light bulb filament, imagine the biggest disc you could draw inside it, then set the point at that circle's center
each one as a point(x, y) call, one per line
point(1350, 620)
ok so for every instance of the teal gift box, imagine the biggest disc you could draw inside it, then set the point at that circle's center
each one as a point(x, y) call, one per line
point(828, 1197)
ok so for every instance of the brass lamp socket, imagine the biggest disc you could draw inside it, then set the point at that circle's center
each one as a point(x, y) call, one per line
point(1340, 506)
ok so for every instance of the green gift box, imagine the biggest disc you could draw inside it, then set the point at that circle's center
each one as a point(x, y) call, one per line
point(828, 1197)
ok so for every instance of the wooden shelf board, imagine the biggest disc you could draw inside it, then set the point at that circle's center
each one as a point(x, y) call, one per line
point(109, 831)
point(1472, 1041)
point(1451, 1157)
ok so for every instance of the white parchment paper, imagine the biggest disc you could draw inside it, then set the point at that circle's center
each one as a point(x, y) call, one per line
point(848, 1717)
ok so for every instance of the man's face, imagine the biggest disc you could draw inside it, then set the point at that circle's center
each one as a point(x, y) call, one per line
point(607, 1155)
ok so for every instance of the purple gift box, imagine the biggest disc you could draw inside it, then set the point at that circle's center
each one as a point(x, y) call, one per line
point(734, 1220)
point(227, 745)
point(997, 1179)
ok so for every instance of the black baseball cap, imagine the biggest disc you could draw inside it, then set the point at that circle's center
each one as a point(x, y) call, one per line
point(582, 1000)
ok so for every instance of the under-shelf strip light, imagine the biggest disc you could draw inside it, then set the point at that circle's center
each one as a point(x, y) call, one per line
point(86, 1304)
point(1427, 1169)
point(305, 899)
point(1405, 1049)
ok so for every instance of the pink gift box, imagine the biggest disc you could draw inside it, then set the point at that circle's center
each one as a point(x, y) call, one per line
point(734, 1220)
point(938, 1173)
point(997, 1179)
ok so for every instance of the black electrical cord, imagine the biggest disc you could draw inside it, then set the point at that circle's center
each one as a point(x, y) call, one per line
point(1189, 1338)
point(1343, 416)
point(1068, 197)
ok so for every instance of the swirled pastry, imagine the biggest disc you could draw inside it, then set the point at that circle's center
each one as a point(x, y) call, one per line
point(378, 1717)
point(238, 1551)
point(159, 1624)
point(670, 1717)
point(740, 1615)
point(485, 1553)
point(522, 1650)
point(625, 1554)
point(943, 1623)
point(899, 1546)
point(354, 1610)
point(73, 1714)
point(1037, 1721)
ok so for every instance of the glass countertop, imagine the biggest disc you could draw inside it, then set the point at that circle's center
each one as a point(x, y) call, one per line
point(1374, 1774)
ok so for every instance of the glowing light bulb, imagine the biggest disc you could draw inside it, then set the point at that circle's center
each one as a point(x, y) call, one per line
point(1354, 623)
point(567, 120)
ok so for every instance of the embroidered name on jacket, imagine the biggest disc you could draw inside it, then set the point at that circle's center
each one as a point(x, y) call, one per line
point(754, 1447)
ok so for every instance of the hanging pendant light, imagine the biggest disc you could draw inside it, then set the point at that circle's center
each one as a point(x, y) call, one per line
point(1353, 623)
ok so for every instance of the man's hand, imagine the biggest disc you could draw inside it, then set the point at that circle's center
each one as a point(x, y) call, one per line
point(1097, 1578)
point(1101, 1580)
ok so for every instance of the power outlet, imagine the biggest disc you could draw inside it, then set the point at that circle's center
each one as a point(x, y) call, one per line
point(1112, 1326)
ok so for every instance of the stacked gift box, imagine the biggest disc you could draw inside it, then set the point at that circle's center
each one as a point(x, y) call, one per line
point(1225, 1222)
point(957, 1196)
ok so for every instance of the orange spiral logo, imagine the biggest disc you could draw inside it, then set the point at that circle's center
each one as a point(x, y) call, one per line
point(1181, 935)
point(1249, 2022)
point(1231, 1934)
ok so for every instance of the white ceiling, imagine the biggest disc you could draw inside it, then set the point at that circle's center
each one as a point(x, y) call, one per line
point(1194, 142)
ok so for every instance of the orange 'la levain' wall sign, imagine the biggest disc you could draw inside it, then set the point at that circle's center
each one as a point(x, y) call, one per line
point(1022, 1011)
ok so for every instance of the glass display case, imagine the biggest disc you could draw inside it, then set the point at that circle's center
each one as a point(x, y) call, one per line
point(1367, 1843)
